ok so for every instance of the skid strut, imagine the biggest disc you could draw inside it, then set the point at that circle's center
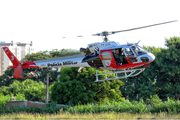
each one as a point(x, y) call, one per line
point(127, 73)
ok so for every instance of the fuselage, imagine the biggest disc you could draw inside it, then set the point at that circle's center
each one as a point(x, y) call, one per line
point(120, 57)
point(105, 58)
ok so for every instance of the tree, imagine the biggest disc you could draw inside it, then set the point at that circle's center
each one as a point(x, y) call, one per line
point(163, 76)
point(79, 87)
point(169, 70)
point(143, 85)
point(50, 54)
point(7, 78)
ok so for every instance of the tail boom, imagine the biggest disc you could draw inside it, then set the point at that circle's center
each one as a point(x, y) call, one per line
point(68, 61)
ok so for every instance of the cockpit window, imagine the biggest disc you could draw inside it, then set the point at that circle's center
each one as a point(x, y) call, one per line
point(138, 50)
point(129, 52)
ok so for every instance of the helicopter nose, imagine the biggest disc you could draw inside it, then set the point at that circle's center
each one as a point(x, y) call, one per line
point(151, 57)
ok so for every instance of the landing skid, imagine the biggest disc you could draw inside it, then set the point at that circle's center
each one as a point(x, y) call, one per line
point(127, 73)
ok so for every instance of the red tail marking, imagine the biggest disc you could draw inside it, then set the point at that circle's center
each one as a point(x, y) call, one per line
point(11, 56)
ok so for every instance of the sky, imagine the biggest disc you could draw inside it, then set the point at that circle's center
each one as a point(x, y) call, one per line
point(55, 24)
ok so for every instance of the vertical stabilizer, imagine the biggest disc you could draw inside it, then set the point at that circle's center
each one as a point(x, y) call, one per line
point(11, 56)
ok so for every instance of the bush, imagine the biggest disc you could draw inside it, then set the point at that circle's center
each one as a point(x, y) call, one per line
point(79, 87)
point(33, 90)
point(34, 110)
point(4, 98)
point(154, 100)
point(28, 89)
point(20, 96)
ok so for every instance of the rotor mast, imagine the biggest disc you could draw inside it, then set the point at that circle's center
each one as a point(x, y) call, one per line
point(105, 36)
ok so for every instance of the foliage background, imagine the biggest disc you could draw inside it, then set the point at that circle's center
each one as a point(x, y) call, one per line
point(79, 87)
point(26, 90)
point(162, 78)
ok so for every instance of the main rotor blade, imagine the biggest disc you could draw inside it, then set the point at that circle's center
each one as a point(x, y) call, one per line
point(143, 27)
point(98, 34)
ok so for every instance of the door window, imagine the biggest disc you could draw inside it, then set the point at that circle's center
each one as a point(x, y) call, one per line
point(106, 55)
point(130, 53)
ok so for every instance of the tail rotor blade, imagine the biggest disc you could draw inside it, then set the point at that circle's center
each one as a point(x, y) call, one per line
point(18, 71)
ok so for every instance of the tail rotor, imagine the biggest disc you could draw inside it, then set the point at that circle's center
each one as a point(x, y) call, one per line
point(18, 66)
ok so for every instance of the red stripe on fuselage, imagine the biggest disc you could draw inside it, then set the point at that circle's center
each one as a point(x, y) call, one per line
point(125, 66)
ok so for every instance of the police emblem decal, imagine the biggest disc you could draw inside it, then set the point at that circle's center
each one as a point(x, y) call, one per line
point(108, 63)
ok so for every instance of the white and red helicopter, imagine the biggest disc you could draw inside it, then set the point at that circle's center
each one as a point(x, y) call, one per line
point(107, 55)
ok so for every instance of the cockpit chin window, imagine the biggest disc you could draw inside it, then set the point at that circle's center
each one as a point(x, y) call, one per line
point(139, 51)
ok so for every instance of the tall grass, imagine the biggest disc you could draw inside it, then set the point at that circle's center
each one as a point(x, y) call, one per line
point(126, 106)
point(110, 115)
point(41, 110)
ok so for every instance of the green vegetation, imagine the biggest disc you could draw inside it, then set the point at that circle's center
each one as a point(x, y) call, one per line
point(134, 107)
point(162, 78)
point(109, 115)
point(79, 88)
point(4, 98)
point(51, 109)
point(126, 106)
point(26, 90)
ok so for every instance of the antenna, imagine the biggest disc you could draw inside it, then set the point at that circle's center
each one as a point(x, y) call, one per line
point(137, 42)
point(126, 40)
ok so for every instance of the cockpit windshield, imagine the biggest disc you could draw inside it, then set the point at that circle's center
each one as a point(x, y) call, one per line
point(129, 52)
point(139, 51)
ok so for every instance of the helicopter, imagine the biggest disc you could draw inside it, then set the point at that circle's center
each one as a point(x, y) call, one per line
point(128, 60)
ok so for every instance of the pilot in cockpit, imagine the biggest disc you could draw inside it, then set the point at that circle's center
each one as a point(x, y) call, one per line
point(118, 56)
